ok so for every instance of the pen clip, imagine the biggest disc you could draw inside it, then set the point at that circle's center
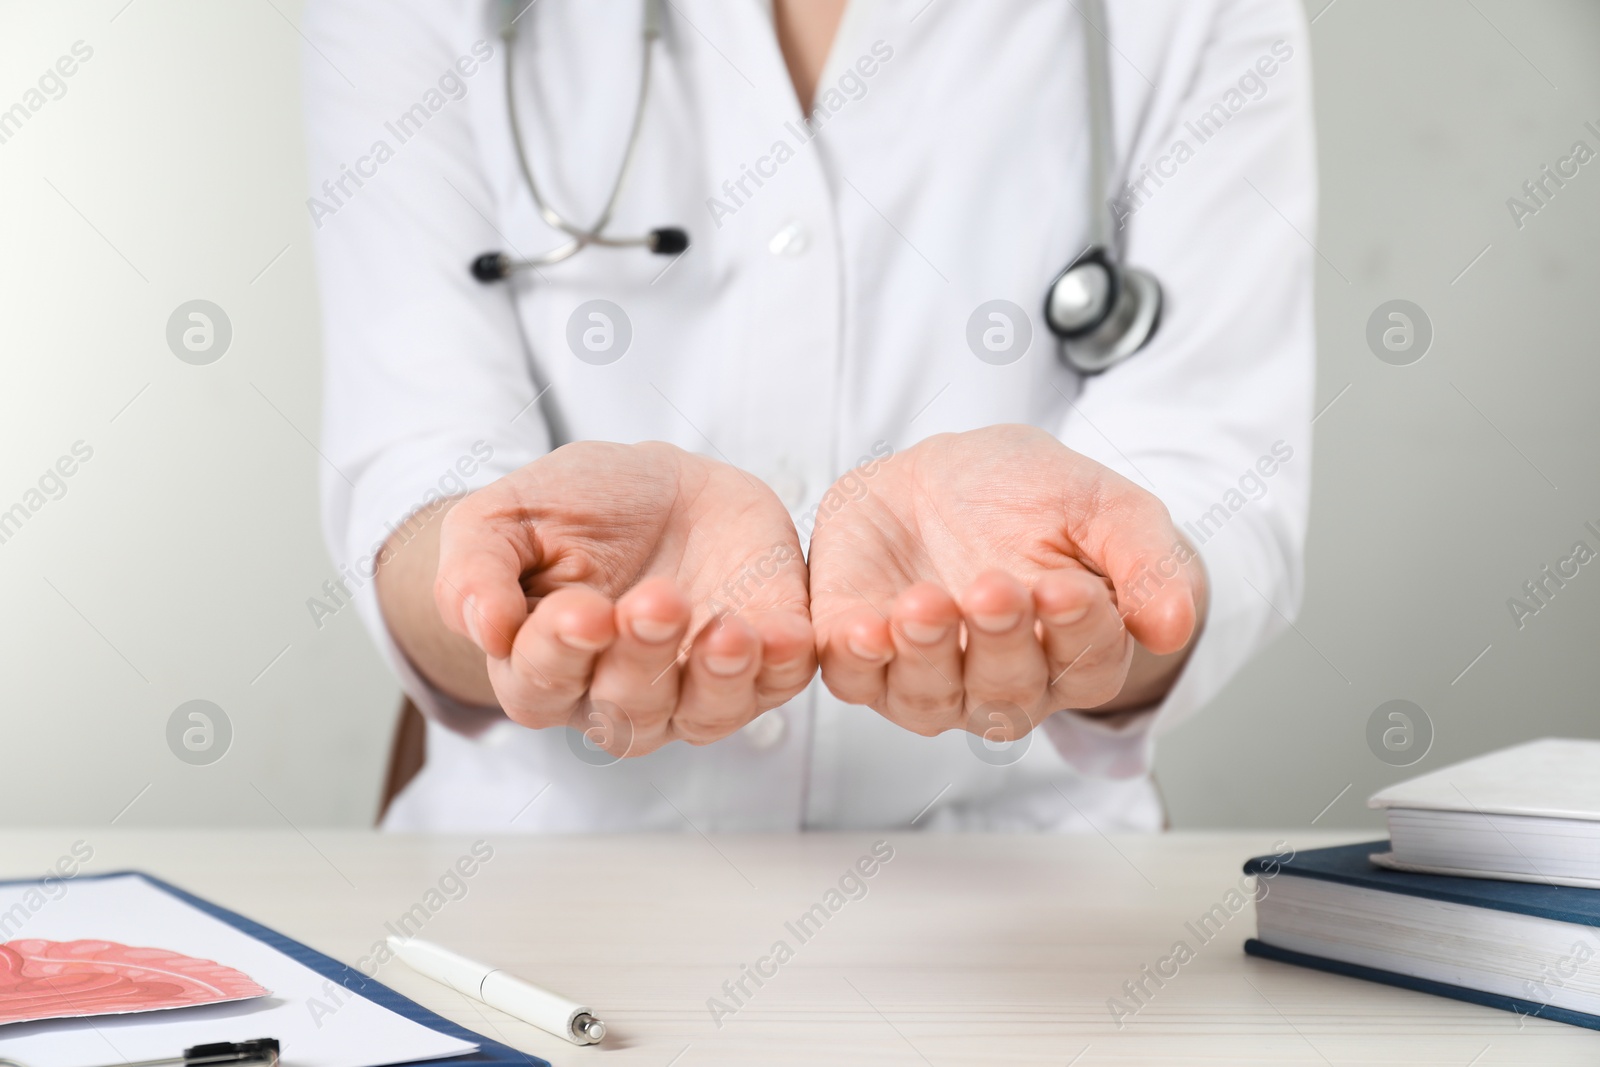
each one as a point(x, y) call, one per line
point(262, 1052)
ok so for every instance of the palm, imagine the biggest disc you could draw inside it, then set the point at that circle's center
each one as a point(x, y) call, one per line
point(994, 568)
point(944, 513)
point(612, 516)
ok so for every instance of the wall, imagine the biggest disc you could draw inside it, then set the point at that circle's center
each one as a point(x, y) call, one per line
point(177, 564)
point(1442, 486)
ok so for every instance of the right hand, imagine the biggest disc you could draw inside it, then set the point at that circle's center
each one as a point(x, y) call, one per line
point(640, 583)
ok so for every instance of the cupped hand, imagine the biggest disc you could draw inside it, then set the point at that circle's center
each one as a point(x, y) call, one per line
point(660, 593)
point(984, 580)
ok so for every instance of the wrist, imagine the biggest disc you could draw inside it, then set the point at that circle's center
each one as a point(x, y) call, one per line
point(407, 568)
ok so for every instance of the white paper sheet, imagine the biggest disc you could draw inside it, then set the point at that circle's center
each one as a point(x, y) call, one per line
point(129, 910)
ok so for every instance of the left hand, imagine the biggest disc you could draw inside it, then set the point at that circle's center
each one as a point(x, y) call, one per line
point(984, 580)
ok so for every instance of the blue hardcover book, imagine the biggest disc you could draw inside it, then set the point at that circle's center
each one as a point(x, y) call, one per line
point(1517, 946)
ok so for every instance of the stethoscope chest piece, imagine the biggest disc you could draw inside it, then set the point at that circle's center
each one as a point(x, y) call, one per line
point(1102, 311)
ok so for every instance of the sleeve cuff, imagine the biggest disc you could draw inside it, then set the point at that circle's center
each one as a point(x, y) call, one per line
point(1118, 745)
point(469, 720)
point(387, 494)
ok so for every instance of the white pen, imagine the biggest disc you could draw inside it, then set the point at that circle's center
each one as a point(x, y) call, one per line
point(496, 988)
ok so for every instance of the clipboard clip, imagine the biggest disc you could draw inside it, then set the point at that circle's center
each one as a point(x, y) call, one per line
point(262, 1052)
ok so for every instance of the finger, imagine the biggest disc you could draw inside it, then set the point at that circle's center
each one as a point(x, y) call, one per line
point(1004, 661)
point(788, 655)
point(482, 557)
point(1087, 648)
point(1129, 537)
point(924, 693)
point(855, 658)
point(548, 671)
point(638, 673)
point(719, 682)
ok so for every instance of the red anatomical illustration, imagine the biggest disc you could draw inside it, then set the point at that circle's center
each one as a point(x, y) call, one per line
point(66, 979)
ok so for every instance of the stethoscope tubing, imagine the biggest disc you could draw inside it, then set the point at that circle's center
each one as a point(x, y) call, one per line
point(595, 234)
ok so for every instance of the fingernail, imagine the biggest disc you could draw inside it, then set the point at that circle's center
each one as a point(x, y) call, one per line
point(578, 641)
point(1067, 618)
point(727, 665)
point(653, 631)
point(924, 633)
point(469, 615)
point(996, 624)
point(858, 649)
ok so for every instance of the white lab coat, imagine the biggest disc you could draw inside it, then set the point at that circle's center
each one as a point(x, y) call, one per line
point(822, 311)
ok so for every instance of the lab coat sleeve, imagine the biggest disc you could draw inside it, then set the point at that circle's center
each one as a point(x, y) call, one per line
point(1214, 415)
point(426, 393)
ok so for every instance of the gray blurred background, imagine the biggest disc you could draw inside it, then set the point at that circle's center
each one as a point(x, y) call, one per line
point(177, 559)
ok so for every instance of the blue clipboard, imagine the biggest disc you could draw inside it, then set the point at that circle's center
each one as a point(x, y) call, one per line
point(489, 1054)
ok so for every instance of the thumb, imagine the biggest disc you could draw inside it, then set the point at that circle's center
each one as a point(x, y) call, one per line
point(1156, 573)
point(483, 553)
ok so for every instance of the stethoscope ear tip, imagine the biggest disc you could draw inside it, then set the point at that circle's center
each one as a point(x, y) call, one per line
point(669, 241)
point(491, 267)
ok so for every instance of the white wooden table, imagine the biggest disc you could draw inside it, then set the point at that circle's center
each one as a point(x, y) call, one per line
point(964, 950)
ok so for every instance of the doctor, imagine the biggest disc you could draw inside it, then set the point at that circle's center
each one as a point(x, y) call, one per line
point(835, 420)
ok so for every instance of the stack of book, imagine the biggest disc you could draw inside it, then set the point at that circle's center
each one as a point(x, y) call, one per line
point(1488, 889)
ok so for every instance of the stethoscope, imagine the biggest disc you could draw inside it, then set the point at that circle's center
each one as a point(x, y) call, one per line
point(1102, 310)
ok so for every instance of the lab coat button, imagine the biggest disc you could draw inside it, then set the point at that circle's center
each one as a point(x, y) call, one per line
point(792, 240)
point(765, 731)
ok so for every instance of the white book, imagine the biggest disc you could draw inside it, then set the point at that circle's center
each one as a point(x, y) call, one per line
point(1530, 813)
